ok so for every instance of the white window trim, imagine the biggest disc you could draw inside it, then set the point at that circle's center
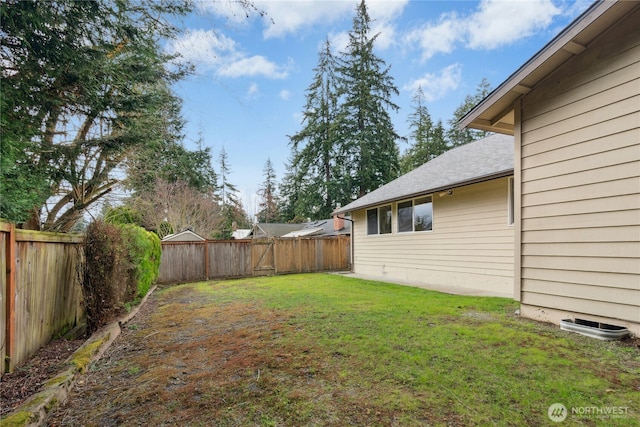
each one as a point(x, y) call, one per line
point(413, 217)
point(377, 209)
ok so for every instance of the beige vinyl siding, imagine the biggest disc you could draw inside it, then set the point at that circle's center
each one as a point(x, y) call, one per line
point(470, 246)
point(580, 168)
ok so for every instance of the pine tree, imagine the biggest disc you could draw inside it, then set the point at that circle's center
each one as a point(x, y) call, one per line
point(232, 209)
point(269, 204)
point(456, 136)
point(314, 146)
point(368, 151)
point(290, 191)
point(428, 139)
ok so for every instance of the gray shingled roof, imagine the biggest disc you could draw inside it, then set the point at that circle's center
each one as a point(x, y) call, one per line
point(487, 158)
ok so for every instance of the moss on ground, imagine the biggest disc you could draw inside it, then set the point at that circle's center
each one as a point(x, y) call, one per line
point(82, 357)
point(18, 419)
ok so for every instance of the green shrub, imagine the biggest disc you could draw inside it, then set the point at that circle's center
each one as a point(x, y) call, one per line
point(121, 263)
point(122, 215)
point(144, 250)
point(104, 273)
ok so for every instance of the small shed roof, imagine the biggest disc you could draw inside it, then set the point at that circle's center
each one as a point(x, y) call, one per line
point(183, 236)
point(487, 158)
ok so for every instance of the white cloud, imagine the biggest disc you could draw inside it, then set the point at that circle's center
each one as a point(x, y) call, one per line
point(385, 10)
point(211, 50)
point(339, 41)
point(436, 86)
point(253, 90)
point(285, 94)
point(232, 11)
point(499, 22)
point(256, 65)
point(285, 17)
point(439, 37)
point(205, 48)
point(493, 24)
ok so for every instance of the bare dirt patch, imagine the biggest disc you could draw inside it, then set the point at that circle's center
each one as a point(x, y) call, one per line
point(183, 361)
point(28, 378)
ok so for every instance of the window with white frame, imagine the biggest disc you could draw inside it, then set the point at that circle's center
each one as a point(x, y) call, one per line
point(415, 215)
point(379, 220)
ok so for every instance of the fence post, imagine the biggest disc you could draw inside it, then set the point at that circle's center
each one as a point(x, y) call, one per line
point(11, 298)
point(275, 259)
point(206, 260)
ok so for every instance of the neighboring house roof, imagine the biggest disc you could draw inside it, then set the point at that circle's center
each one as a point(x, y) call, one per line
point(487, 158)
point(241, 233)
point(323, 227)
point(304, 232)
point(495, 113)
point(274, 229)
point(183, 236)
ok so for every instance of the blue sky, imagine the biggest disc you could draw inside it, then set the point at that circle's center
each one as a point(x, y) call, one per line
point(248, 91)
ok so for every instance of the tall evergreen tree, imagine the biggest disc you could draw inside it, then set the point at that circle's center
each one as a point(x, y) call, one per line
point(368, 151)
point(456, 136)
point(315, 144)
point(290, 191)
point(84, 84)
point(427, 139)
point(232, 210)
point(269, 199)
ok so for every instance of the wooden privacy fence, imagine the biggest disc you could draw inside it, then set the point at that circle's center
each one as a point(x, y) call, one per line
point(194, 261)
point(40, 294)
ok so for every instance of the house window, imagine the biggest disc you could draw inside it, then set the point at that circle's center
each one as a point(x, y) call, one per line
point(415, 215)
point(379, 220)
point(511, 205)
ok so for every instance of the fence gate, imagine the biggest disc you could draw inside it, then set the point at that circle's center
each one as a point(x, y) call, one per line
point(263, 256)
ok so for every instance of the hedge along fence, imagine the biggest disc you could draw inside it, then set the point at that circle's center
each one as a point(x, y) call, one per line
point(40, 293)
point(121, 263)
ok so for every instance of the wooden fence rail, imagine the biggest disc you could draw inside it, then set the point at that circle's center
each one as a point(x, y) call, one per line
point(40, 294)
point(194, 261)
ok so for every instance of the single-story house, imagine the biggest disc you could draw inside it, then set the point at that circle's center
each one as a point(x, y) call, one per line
point(324, 227)
point(183, 236)
point(267, 230)
point(574, 112)
point(448, 222)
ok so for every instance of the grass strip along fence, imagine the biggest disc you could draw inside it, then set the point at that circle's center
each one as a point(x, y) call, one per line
point(321, 349)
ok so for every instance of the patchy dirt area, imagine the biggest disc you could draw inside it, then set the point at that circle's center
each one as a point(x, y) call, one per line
point(174, 365)
point(28, 378)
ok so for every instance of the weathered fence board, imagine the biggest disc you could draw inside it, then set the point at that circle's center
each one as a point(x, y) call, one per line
point(182, 262)
point(230, 259)
point(194, 261)
point(41, 293)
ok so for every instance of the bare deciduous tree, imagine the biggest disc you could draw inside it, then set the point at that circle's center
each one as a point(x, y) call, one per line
point(172, 207)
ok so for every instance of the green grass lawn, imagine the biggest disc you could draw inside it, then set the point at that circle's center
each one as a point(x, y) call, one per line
point(343, 350)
